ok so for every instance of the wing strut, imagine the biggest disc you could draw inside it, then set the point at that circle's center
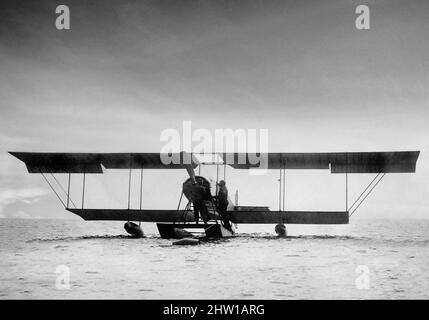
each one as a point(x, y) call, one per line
point(129, 185)
point(217, 178)
point(347, 181)
point(141, 192)
point(83, 187)
point(68, 192)
point(282, 188)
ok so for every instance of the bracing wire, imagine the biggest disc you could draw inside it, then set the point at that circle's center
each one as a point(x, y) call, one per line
point(363, 192)
point(64, 191)
point(369, 192)
point(50, 185)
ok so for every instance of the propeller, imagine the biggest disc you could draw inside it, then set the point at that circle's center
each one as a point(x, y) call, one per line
point(188, 160)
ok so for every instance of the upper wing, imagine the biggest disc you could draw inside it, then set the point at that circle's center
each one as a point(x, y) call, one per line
point(338, 162)
point(47, 162)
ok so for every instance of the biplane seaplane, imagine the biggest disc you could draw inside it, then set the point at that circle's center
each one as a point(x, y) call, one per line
point(217, 222)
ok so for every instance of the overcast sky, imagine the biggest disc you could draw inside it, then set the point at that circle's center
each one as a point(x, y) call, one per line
point(129, 69)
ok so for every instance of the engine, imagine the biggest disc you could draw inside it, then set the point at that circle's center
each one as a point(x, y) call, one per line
point(199, 191)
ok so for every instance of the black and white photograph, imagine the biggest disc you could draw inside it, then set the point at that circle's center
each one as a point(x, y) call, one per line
point(233, 150)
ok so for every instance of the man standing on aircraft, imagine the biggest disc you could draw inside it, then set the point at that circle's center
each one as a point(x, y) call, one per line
point(222, 203)
point(199, 205)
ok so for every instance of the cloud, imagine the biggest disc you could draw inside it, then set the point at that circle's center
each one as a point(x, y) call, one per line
point(26, 196)
point(124, 73)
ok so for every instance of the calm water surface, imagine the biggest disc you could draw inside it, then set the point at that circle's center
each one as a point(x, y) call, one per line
point(320, 262)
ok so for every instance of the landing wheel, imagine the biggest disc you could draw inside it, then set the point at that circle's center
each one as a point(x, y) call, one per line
point(280, 229)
